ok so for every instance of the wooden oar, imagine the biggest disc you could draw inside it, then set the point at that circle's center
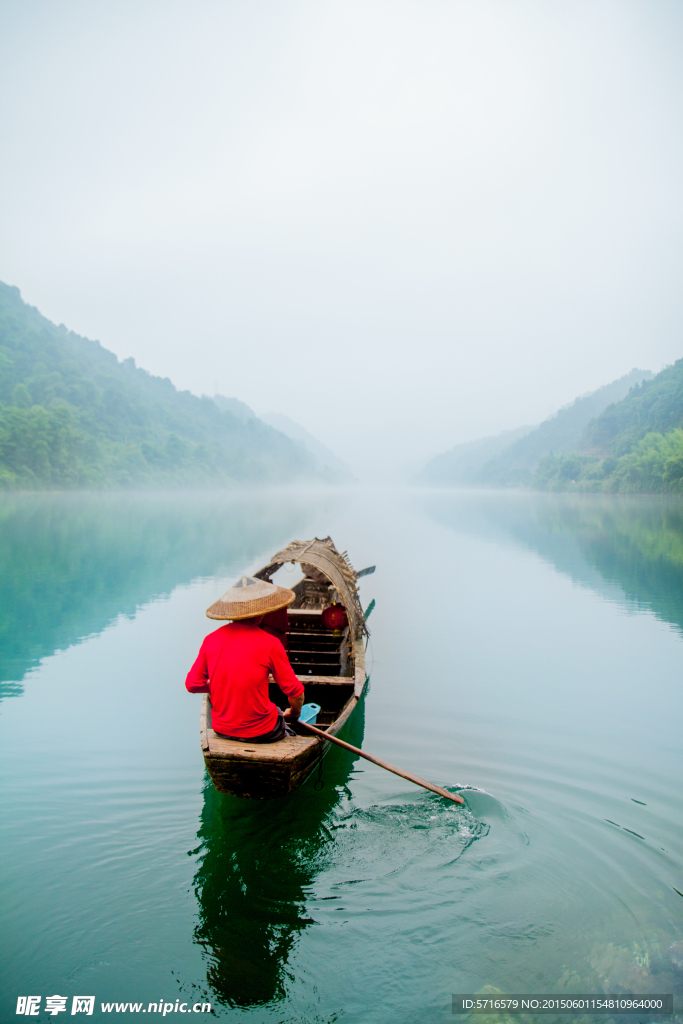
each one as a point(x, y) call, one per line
point(384, 764)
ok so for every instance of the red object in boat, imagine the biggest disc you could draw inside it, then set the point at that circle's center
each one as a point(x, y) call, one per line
point(335, 617)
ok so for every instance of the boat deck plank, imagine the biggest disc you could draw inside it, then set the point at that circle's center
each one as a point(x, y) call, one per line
point(282, 750)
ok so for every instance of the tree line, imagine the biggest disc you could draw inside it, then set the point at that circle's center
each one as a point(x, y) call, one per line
point(72, 415)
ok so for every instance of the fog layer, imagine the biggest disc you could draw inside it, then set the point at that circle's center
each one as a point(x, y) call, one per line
point(402, 224)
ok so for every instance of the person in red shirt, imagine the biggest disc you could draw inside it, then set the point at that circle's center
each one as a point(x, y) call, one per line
point(235, 661)
point(277, 623)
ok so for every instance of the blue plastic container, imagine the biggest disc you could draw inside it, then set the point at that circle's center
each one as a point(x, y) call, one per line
point(309, 713)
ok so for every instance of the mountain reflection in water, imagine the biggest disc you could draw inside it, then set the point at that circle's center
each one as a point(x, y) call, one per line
point(629, 547)
point(258, 860)
point(72, 563)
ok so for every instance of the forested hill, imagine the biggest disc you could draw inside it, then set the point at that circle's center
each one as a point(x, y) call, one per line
point(558, 434)
point(657, 405)
point(72, 415)
point(511, 459)
point(634, 445)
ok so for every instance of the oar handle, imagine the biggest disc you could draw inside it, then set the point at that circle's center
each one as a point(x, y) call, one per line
point(384, 764)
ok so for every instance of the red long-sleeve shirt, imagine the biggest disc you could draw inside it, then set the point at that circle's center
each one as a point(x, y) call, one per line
point(233, 666)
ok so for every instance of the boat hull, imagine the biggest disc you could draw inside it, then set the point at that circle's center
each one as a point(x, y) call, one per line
point(260, 779)
point(265, 771)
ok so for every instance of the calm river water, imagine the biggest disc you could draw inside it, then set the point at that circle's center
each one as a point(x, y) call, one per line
point(527, 646)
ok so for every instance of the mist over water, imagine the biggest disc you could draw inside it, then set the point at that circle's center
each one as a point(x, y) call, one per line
point(524, 647)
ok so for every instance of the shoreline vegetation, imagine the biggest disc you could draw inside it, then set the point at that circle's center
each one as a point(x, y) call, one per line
point(73, 416)
point(632, 445)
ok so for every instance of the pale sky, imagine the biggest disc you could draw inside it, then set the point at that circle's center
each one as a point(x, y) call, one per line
point(404, 224)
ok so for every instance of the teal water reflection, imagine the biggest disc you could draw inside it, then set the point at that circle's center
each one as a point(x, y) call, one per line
point(256, 866)
point(71, 563)
point(526, 647)
point(633, 542)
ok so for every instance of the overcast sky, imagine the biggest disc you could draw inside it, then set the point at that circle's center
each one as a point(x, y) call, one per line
point(404, 224)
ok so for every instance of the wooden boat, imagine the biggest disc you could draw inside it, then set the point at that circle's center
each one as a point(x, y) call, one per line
point(330, 664)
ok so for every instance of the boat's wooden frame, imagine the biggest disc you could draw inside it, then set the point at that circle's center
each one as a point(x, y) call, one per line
point(265, 770)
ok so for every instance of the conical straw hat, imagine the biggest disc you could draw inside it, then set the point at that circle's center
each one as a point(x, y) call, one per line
point(249, 597)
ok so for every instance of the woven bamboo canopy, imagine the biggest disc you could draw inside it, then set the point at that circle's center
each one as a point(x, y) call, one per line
point(323, 555)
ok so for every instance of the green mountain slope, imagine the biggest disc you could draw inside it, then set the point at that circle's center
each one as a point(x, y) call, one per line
point(635, 445)
point(72, 415)
point(511, 459)
point(558, 434)
point(656, 405)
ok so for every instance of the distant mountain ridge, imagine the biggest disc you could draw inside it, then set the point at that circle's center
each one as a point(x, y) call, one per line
point(511, 461)
point(462, 464)
point(558, 434)
point(325, 458)
point(635, 445)
point(73, 415)
point(236, 408)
